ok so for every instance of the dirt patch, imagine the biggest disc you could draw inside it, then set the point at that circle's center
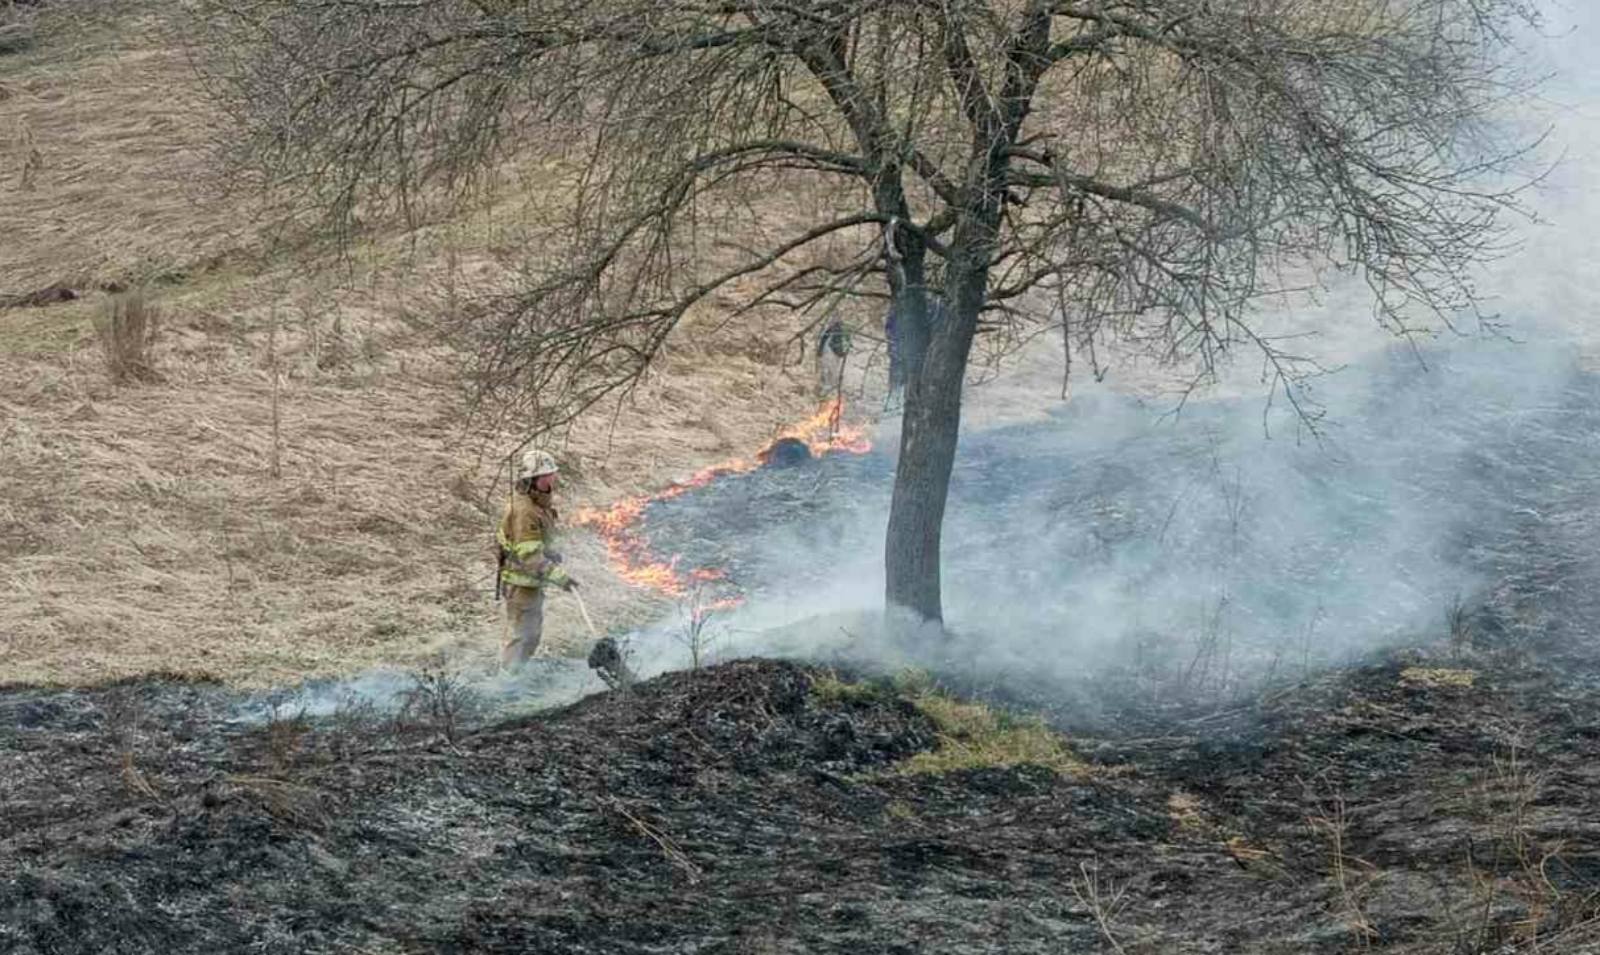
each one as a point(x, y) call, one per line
point(49, 295)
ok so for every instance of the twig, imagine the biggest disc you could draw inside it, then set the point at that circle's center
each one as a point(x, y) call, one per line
point(1103, 902)
point(276, 467)
point(668, 847)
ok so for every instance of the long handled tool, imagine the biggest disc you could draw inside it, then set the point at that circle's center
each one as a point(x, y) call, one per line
point(588, 620)
point(605, 657)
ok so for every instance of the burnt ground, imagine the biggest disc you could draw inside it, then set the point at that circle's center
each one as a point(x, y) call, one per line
point(1439, 797)
point(1394, 806)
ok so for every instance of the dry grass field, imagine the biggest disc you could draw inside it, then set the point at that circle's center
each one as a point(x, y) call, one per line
point(294, 491)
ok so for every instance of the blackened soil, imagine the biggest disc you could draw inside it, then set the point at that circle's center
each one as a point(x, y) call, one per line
point(735, 810)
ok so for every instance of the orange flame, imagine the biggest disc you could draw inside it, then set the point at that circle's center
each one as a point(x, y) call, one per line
point(628, 551)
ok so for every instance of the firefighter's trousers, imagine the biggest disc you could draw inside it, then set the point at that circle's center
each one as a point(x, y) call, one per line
point(524, 625)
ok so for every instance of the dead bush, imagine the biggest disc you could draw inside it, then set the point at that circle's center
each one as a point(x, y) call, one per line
point(354, 728)
point(695, 631)
point(128, 328)
point(440, 701)
point(284, 734)
point(124, 717)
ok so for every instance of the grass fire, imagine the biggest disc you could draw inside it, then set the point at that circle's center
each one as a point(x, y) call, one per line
point(629, 552)
point(658, 477)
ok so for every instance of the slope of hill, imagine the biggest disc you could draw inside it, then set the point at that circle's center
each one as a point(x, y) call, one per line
point(298, 492)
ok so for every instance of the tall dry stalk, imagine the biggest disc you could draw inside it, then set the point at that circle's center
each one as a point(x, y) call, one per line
point(1334, 825)
point(128, 329)
point(1103, 899)
point(275, 466)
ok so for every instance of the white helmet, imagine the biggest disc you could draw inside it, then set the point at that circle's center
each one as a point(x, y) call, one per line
point(536, 462)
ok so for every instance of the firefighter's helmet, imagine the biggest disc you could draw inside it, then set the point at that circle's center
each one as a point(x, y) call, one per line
point(536, 462)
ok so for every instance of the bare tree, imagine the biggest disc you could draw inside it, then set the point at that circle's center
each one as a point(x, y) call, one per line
point(1138, 170)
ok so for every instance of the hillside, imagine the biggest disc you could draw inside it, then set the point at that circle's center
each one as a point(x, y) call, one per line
point(1217, 687)
point(299, 491)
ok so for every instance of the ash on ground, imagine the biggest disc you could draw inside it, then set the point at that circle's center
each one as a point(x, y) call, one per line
point(1436, 797)
point(1439, 801)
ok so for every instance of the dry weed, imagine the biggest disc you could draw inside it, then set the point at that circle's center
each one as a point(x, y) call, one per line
point(1351, 876)
point(668, 847)
point(1516, 900)
point(294, 803)
point(441, 700)
point(128, 328)
point(124, 716)
point(354, 727)
point(1104, 899)
point(285, 732)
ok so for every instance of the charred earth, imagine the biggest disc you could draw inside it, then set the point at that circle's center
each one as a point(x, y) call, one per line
point(756, 806)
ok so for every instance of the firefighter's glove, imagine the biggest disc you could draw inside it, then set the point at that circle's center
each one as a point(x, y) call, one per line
point(553, 556)
point(569, 585)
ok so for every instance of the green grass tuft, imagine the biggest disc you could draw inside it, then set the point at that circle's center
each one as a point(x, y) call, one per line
point(971, 735)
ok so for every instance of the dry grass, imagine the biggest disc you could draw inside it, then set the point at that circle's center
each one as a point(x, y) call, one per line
point(1437, 678)
point(830, 688)
point(975, 736)
point(16, 27)
point(101, 160)
point(298, 495)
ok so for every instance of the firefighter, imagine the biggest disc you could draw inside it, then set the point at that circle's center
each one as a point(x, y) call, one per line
point(528, 561)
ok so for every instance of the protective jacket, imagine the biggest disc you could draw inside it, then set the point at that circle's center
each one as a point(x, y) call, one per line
point(527, 537)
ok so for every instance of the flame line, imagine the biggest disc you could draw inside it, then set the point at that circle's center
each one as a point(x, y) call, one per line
point(628, 550)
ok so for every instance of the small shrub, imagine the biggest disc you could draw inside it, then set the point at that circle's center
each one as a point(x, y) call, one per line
point(284, 732)
point(128, 329)
point(440, 701)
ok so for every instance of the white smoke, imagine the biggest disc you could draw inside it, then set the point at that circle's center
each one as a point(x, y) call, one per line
point(1116, 535)
point(1116, 531)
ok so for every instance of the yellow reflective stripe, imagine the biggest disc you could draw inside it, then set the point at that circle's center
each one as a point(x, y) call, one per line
point(523, 552)
point(517, 578)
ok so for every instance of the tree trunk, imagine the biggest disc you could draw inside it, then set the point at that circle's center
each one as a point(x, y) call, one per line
point(930, 428)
